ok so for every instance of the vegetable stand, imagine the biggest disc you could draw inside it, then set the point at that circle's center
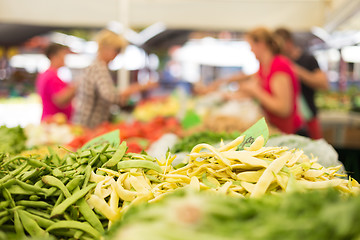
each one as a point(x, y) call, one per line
point(342, 130)
point(90, 190)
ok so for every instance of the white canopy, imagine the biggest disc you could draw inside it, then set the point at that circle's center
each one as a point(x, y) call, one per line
point(234, 15)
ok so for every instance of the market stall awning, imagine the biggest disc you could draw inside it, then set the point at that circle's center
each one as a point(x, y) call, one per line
point(179, 17)
point(235, 15)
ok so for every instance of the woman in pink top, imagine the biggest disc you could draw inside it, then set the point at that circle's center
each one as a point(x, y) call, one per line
point(55, 94)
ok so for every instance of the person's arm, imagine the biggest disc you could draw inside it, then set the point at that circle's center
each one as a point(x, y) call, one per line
point(280, 101)
point(62, 98)
point(238, 95)
point(137, 88)
point(316, 79)
point(238, 77)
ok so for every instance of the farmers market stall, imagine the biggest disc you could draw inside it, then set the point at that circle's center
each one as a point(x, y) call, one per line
point(342, 130)
point(102, 188)
point(169, 165)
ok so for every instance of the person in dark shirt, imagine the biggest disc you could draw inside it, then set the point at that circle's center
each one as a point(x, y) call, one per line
point(312, 78)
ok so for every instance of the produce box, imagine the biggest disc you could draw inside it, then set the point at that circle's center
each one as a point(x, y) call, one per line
point(352, 137)
point(341, 129)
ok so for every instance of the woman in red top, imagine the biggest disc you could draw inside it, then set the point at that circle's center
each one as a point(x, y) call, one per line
point(275, 85)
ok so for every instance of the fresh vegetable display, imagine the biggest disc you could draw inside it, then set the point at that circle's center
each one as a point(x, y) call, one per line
point(182, 215)
point(88, 191)
point(331, 100)
point(12, 140)
point(157, 107)
point(251, 173)
point(41, 197)
point(53, 130)
point(137, 134)
point(49, 134)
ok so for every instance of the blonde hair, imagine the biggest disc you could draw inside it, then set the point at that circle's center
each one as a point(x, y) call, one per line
point(108, 38)
point(264, 35)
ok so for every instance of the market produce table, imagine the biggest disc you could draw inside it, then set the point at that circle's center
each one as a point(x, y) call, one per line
point(342, 130)
point(91, 191)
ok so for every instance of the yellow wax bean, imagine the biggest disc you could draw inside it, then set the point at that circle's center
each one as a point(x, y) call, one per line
point(239, 166)
point(236, 188)
point(312, 174)
point(268, 176)
point(124, 194)
point(250, 176)
point(235, 194)
point(257, 144)
point(101, 205)
point(184, 178)
point(225, 188)
point(114, 200)
point(96, 178)
point(295, 158)
point(202, 154)
point(245, 158)
point(321, 184)
point(101, 190)
point(195, 184)
point(139, 186)
point(282, 180)
point(232, 144)
point(109, 172)
point(266, 151)
point(218, 155)
point(249, 187)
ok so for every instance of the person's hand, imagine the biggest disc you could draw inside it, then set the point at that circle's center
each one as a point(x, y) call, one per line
point(200, 89)
point(151, 85)
point(238, 95)
point(123, 99)
point(250, 87)
point(297, 69)
point(300, 71)
point(227, 96)
point(73, 86)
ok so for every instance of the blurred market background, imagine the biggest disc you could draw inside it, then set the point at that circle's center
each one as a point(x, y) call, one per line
point(178, 43)
point(178, 172)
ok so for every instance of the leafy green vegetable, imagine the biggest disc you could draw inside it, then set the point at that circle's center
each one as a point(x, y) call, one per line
point(185, 215)
point(12, 140)
point(187, 143)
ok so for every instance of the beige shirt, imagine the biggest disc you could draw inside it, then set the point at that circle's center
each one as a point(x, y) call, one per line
point(95, 95)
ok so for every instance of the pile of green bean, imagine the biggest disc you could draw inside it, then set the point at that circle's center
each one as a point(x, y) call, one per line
point(46, 198)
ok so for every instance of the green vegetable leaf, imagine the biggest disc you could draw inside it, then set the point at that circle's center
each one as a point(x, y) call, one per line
point(112, 137)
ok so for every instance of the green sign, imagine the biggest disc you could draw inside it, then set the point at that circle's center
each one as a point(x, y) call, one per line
point(256, 130)
point(191, 119)
point(111, 137)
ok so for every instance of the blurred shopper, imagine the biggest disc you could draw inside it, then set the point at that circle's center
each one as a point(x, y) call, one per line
point(275, 85)
point(55, 94)
point(311, 77)
point(97, 91)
